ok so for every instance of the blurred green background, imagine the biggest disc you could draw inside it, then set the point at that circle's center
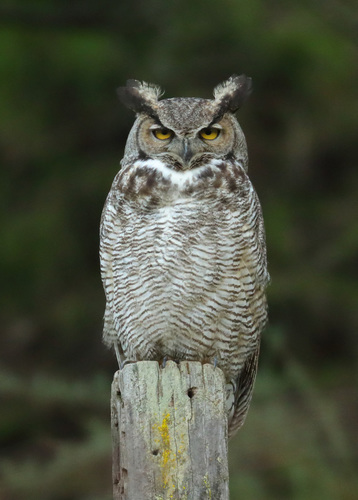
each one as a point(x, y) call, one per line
point(62, 134)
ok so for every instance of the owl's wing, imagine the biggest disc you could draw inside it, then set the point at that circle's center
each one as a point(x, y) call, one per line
point(243, 388)
point(255, 320)
point(108, 230)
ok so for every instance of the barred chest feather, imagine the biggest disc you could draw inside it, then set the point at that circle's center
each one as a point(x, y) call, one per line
point(183, 253)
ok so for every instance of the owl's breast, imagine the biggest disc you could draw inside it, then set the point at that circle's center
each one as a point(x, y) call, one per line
point(148, 184)
point(183, 272)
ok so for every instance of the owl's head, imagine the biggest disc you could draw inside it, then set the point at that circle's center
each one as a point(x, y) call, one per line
point(186, 132)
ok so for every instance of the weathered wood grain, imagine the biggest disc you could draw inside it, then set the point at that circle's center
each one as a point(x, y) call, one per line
point(169, 432)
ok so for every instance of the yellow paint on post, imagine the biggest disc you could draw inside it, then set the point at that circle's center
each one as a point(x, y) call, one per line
point(164, 434)
point(169, 460)
point(207, 486)
point(168, 456)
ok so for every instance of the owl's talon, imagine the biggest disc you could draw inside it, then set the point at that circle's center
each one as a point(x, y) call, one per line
point(118, 355)
point(215, 362)
point(125, 362)
point(167, 358)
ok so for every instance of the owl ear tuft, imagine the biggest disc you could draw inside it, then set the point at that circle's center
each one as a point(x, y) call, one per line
point(231, 94)
point(140, 97)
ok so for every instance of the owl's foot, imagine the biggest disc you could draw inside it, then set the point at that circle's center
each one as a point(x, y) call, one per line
point(122, 362)
point(167, 358)
point(210, 361)
point(126, 362)
point(119, 355)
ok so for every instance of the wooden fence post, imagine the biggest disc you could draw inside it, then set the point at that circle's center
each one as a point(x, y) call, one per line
point(169, 432)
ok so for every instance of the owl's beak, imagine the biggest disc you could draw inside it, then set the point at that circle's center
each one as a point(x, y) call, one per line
point(186, 152)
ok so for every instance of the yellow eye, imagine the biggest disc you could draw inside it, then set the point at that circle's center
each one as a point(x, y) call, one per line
point(209, 134)
point(162, 133)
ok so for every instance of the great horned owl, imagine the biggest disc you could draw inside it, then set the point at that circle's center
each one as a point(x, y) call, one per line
point(183, 254)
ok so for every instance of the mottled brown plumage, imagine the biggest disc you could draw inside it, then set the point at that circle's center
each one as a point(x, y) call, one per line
point(183, 256)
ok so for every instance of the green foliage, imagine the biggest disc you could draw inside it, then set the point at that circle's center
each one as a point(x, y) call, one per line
point(62, 134)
